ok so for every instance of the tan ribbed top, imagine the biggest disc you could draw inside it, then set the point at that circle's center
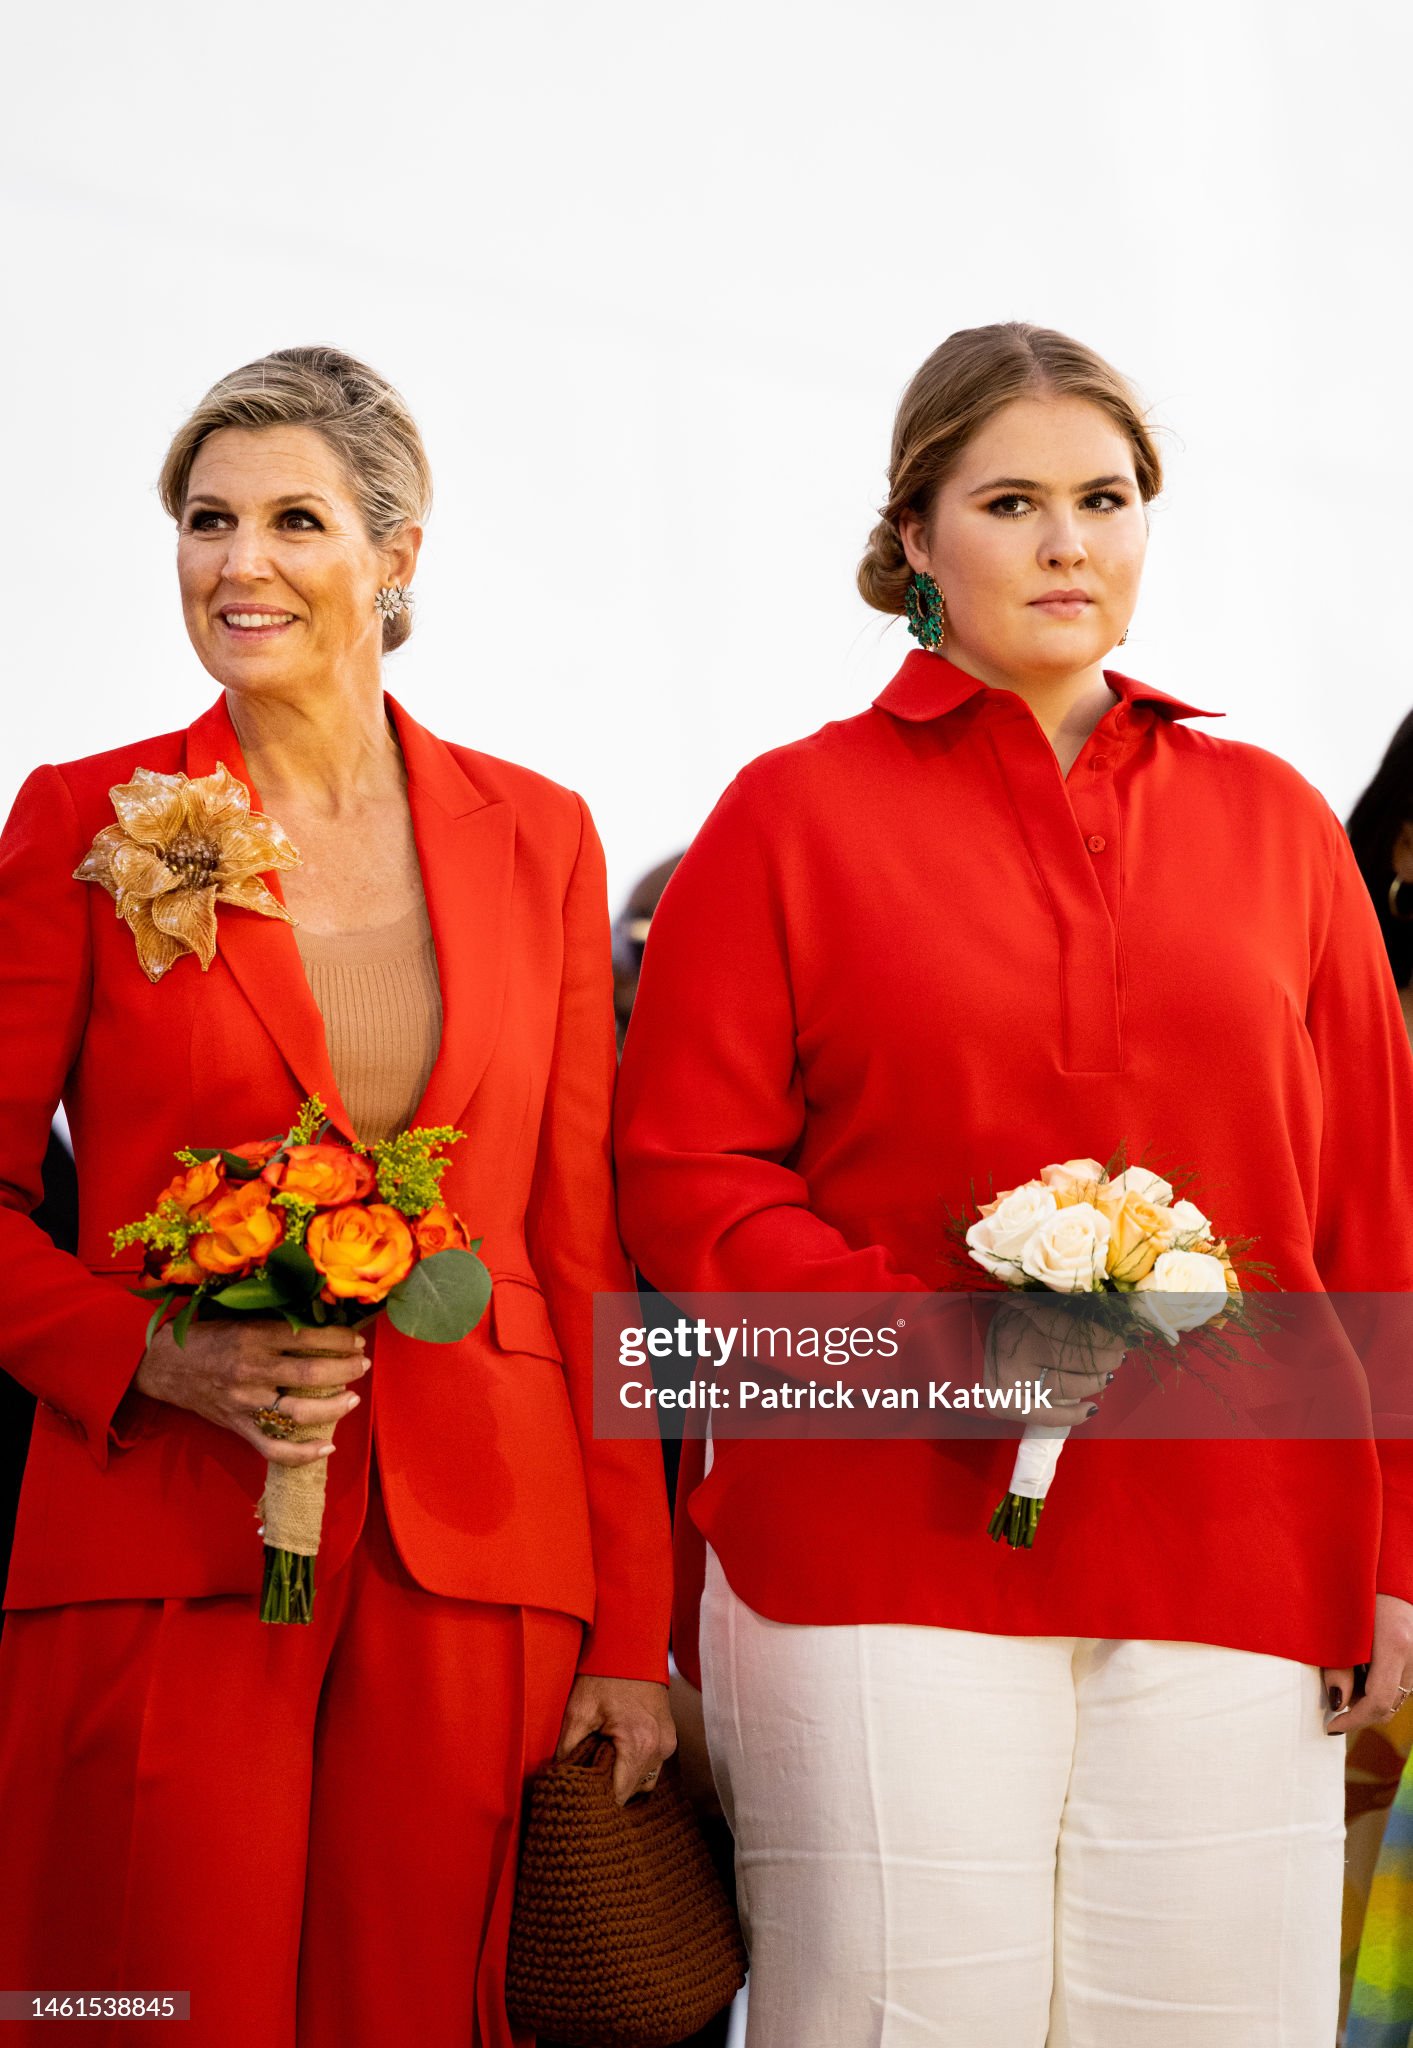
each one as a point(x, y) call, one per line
point(382, 1007)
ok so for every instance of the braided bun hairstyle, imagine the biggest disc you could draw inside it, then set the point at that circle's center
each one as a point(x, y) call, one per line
point(962, 385)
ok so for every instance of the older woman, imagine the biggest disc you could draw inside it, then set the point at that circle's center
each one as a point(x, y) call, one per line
point(310, 1830)
point(1019, 910)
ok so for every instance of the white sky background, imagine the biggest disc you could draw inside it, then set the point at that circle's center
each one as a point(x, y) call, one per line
point(652, 279)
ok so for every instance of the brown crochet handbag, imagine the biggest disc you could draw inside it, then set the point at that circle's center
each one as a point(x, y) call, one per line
point(622, 1936)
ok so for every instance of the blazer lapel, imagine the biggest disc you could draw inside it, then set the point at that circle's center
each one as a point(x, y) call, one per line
point(466, 848)
point(260, 952)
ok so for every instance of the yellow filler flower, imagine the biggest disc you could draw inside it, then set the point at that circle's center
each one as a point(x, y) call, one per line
point(179, 848)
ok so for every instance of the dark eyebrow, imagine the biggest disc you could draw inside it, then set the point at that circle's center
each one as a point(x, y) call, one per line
point(280, 504)
point(1028, 483)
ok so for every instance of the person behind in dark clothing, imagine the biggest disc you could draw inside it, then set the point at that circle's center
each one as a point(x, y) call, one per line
point(630, 934)
point(1376, 1989)
point(1381, 832)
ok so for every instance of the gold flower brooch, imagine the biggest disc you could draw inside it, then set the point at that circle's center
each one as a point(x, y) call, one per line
point(179, 848)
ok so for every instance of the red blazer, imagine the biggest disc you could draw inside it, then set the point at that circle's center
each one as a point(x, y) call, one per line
point(906, 955)
point(495, 1488)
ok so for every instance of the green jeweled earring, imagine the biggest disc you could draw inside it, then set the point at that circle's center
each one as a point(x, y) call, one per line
point(926, 612)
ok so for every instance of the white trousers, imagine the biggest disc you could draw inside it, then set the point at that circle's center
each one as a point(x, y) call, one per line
point(988, 1841)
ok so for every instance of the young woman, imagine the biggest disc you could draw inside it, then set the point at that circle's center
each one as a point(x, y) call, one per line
point(311, 1830)
point(1021, 911)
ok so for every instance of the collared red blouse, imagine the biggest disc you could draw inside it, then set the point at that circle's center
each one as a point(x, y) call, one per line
point(907, 957)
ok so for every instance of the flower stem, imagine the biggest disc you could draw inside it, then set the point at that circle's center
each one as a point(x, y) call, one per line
point(1015, 1521)
point(287, 1592)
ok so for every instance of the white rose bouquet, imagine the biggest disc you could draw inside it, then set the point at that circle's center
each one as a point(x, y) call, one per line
point(1136, 1264)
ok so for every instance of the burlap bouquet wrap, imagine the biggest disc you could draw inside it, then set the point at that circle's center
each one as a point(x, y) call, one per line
point(292, 1505)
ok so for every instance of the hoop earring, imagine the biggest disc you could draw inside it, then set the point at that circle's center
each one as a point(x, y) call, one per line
point(1398, 916)
point(392, 599)
point(926, 612)
point(1123, 636)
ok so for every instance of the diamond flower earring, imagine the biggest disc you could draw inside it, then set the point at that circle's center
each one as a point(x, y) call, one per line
point(392, 599)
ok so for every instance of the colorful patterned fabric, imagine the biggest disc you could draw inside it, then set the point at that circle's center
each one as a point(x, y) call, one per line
point(1373, 1766)
point(1381, 2004)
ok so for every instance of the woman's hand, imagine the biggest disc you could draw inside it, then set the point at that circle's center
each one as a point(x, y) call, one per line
point(225, 1371)
point(1035, 1338)
point(632, 1713)
point(1390, 1671)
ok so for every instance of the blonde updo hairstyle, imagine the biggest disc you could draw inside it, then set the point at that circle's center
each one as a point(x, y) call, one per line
point(363, 419)
point(962, 385)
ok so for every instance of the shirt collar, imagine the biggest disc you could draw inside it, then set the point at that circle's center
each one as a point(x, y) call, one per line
point(929, 686)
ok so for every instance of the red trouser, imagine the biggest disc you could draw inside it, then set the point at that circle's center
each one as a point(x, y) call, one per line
point(308, 1829)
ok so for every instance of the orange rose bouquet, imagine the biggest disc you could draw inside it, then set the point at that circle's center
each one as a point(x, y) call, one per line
point(319, 1232)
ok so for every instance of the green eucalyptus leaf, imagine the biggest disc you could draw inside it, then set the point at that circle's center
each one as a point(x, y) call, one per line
point(442, 1299)
point(240, 1168)
point(205, 1153)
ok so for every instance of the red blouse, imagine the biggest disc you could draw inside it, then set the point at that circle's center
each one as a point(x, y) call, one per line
point(907, 955)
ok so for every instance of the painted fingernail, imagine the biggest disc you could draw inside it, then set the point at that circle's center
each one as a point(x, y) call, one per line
point(1108, 1379)
point(1336, 1699)
point(354, 1400)
point(1094, 1410)
point(326, 1450)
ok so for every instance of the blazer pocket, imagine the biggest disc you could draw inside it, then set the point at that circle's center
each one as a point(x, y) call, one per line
point(520, 1320)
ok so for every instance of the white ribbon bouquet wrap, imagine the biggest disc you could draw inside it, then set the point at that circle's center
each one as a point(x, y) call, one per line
point(1147, 1266)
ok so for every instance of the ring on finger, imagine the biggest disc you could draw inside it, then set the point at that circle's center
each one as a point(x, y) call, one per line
point(1404, 1692)
point(271, 1423)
